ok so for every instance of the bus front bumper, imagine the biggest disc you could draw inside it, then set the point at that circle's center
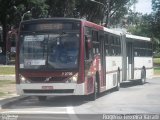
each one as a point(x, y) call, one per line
point(50, 89)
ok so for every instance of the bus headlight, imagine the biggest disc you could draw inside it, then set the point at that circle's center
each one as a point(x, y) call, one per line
point(73, 79)
point(23, 80)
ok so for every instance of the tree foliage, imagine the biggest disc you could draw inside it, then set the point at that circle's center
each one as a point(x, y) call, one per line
point(87, 9)
point(108, 11)
point(156, 23)
point(156, 20)
point(142, 25)
point(60, 8)
point(147, 25)
point(11, 11)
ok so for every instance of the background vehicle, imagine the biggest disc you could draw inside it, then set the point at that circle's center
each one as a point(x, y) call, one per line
point(2, 56)
point(63, 56)
point(3, 59)
point(11, 45)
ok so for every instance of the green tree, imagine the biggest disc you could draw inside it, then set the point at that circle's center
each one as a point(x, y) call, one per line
point(156, 23)
point(147, 25)
point(89, 10)
point(60, 8)
point(143, 26)
point(94, 11)
point(6, 6)
point(11, 12)
point(116, 10)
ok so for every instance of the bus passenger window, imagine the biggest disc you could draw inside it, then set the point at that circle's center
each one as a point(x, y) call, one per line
point(94, 51)
point(113, 52)
point(97, 50)
point(107, 53)
point(135, 53)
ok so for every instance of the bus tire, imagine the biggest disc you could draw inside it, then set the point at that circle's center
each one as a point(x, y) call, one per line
point(143, 76)
point(93, 96)
point(42, 98)
point(117, 88)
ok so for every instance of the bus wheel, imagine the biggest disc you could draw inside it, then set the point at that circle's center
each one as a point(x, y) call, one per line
point(93, 96)
point(42, 98)
point(118, 81)
point(143, 76)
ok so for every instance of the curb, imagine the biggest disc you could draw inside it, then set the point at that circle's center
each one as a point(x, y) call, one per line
point(7, 65)
point(156, 76)
point(12, 75)
point(9, 101)
point(7, 77)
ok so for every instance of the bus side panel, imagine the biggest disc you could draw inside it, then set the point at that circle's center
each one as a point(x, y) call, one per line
point(113, 63)
point(139, 62)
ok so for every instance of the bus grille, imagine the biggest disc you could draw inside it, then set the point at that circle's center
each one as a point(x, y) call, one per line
point(49, 91)
point(47, 79)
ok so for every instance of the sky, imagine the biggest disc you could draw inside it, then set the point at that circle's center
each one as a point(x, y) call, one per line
point(144, 6)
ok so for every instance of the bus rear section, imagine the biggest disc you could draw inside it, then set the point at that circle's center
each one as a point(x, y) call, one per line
point(49, 58)
point(139, 58)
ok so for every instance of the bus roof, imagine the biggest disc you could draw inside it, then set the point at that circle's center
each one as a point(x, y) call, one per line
point(137, 37)
point(129, 36)
point(51, 19)
point(84, 22)
point(112, 31)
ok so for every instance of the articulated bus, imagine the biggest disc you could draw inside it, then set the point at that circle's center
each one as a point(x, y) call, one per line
point(64, 56)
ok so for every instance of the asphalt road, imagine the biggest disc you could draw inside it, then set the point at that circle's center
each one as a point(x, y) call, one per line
point(131, 99)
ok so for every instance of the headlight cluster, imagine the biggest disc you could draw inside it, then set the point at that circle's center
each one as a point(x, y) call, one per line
point(73, 79)
point(23, 80)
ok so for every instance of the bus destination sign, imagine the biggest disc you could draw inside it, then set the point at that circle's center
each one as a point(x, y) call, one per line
point(50, 26)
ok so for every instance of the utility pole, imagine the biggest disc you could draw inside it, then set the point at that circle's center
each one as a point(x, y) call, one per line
point(106, 8)
point(108, 14)
point(134, 12)
point(104, 14)
point(24, 15)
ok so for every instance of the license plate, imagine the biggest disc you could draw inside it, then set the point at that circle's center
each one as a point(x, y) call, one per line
point(47, 87)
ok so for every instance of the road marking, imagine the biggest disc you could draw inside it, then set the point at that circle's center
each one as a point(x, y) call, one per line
point(71, 113)
point(70, 110)
point(53, 118)
point(32, 112)
point(33, 116)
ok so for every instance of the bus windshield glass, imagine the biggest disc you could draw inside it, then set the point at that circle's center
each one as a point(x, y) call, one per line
point(49, 50)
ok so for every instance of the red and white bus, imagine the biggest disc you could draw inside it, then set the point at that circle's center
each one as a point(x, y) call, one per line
point(63, 56)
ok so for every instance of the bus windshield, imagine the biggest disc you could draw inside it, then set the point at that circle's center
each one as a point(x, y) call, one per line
point(49, 51)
